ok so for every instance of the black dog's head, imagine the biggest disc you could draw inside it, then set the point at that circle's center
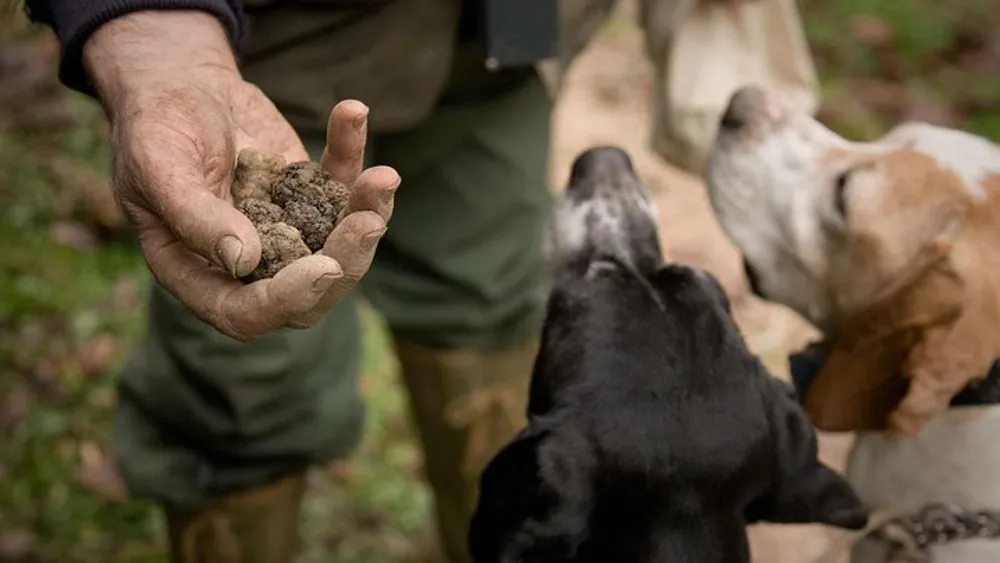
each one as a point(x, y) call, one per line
point(653, 434)
point(609, 281)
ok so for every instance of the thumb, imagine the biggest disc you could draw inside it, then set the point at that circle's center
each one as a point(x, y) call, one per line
point(211, 227)
point(189, 196)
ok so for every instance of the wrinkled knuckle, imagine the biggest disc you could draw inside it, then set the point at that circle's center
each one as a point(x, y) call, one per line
point(354, 153)
point(350, 280)
point(243, 336)
point(221, 318)
point(341, 287)
point(305, 320)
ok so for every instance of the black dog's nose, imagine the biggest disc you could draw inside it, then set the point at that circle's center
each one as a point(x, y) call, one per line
point(601, 164)
point(744, 104)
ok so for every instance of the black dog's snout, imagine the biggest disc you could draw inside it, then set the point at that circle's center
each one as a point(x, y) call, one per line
point(601, 164)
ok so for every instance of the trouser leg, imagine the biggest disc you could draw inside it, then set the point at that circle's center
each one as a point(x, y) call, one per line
point(459, 278)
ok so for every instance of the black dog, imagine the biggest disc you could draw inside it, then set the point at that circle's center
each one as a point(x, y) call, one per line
point(654, 435)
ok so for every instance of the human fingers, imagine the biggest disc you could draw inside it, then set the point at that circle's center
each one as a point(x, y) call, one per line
point(243, 312)
point(374, 190)
point(346, 135)
point(352, 245)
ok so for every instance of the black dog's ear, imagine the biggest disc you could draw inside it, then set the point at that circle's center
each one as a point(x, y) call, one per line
point(534, 501)
point(501, 508)
point(803, 490)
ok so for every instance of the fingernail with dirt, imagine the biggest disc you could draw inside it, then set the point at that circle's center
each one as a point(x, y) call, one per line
point(359, 122)
point(326, 281)
point(229, 250)
point(389, 194)
point(369, 240)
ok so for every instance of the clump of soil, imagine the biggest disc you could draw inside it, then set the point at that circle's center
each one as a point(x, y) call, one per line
point(293, 206)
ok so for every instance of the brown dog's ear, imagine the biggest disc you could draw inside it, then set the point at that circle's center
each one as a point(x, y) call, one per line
point(864, 376)
point(947, 358)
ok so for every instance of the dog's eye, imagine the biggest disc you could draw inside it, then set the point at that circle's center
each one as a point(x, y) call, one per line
point(839, 187)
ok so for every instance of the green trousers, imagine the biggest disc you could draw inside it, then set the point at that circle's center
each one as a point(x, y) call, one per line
point(201, 415)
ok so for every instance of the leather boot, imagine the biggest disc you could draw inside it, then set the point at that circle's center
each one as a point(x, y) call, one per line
point(255, 526)
point(466, 404)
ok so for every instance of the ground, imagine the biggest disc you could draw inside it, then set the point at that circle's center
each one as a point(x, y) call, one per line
point(71, 282)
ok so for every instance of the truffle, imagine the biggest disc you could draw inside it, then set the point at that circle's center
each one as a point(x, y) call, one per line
point(260, 212)
point(294, 207)
point(280, 245)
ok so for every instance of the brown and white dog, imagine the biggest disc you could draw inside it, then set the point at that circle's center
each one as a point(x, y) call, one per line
point(892, 249)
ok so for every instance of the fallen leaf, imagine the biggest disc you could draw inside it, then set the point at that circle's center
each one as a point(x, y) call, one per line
point(98, 473)
point(88, 193)
point(842, 111)
point(26, 70)
point(17, 545)
point(29, 342)
point(334, 540)
point(872, 31)
point(104, 398)
point(29, 83)
point(368, 520)
point(97, 353)
point(921, 107)
point(73, 234)
point(47, 115)
point(340, 470)
point(16, 408)
point(413, 460)
point(397, 546)
point(124, 296)
point(46, 377)
point(881, 96)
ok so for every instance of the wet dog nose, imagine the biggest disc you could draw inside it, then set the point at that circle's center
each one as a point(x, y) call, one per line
point(605, 212)
point(602, 164)
point(744, 104)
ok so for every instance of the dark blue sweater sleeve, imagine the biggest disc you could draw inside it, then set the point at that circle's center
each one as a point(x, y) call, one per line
point(75, 20)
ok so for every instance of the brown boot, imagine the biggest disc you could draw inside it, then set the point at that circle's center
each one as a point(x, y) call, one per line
point(467, 404)
point(255, 526)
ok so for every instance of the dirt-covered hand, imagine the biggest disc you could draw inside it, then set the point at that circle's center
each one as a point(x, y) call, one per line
point(180, 113)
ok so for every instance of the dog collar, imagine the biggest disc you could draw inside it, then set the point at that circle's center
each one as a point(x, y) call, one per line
point(805, 364)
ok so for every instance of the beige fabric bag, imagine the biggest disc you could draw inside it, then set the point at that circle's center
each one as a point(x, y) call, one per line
point(716, 48)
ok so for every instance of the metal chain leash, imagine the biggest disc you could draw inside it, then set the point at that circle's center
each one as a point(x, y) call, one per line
point(911, 536)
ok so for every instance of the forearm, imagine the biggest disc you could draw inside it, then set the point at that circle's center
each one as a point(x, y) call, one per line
point(75, 22)
point(149, 50)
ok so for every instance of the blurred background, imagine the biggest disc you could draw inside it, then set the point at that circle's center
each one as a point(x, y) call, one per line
point(72, 283)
